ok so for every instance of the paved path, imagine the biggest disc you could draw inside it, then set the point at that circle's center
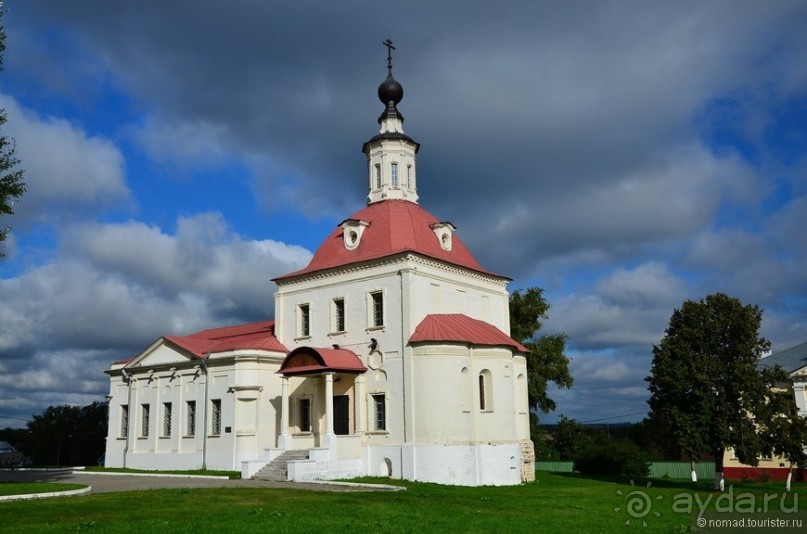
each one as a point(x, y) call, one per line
point(112, 483)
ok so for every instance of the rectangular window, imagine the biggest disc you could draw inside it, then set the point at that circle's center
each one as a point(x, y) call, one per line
point(394, 174)
point(124, 420)
point(303, 320)
point(304, 406)
point(338, 315)
point(379, 411)
point(190, 421)
point(144, 420)
point(377, 308)
point(167, 412)
point(377, 176)
point(215, 417)
point(409, 176)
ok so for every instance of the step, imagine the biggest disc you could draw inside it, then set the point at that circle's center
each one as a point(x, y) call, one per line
point(277, 470)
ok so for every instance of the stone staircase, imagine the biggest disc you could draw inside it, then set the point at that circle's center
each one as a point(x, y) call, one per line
point(277, 470)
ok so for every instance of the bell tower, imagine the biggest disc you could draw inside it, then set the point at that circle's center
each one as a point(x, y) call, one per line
point(391, 154)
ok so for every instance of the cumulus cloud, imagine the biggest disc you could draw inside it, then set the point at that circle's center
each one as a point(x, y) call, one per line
point(183, 144)
point(66, 169)
point(114, 288)
point(648, 285)
point(625, 156)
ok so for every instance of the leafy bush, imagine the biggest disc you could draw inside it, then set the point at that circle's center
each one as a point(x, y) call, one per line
point(610, 457)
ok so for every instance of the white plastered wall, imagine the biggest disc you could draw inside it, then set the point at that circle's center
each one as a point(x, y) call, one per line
point(245, 384)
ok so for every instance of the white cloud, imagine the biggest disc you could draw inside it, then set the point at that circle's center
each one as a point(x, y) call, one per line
point(568, 144)
point(68, 171)
point(648, 285)
point(196, 143)
point(202, 257)
point(114, 288)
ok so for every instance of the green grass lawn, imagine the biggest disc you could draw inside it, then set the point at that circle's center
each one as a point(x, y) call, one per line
point(23, 488)
point(555, 503)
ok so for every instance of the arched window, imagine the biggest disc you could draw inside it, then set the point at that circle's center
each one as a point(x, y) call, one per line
point(465, 388)
point(521, 393)
point(485, 392)
point(394, 174)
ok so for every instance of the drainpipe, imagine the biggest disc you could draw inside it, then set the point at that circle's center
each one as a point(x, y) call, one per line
point(204, 431)
point(128, 380)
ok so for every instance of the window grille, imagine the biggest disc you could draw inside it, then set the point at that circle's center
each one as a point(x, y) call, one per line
point(215, 417)
point(124, 421)
point(380, 411)
point(144, 421)
point(167, 412)
point(190, 421)
point(378, 308)
point(339, 315)
point(304, 324)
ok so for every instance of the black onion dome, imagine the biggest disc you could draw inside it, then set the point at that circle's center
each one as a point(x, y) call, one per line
point(390, 91)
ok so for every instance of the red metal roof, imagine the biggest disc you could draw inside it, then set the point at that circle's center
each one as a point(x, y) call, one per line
point(459, 328)
point(309, 360)
point(395, 226)
point(258, 336)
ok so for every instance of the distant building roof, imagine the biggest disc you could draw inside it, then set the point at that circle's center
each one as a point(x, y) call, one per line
point(459, 328)
point(6, 447)
point(791, 360)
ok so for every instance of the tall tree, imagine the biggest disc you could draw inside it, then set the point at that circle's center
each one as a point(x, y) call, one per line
point(546, 361)
point(570, 438)
point(784, 431)
point(11, 185)
point(68, 435)
point(706, 382)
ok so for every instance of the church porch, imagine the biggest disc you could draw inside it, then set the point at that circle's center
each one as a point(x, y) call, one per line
point(321, 413)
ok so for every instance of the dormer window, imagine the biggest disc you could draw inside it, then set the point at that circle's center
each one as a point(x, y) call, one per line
point(444, 232)
point(352, 232)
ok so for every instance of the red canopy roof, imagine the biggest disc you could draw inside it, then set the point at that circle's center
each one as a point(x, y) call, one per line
point(395, 226)
point(258, 336)
point(309, 360)
point(459, 328)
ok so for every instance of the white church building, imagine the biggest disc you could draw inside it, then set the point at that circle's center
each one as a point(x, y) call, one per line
point(389, 355)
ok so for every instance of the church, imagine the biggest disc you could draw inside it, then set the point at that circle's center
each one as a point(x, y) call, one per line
point(389, 355)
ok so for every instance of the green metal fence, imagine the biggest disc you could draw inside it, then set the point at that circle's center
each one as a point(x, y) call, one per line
point(554, 467)
point(705, 470)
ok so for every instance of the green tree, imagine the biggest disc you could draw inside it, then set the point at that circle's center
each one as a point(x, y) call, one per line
point(654, 436)
point(604, 456)
point(570, 438)
point(784, 431)
point(11, 185)
point(67, 435)
point(706, 383)
point(546, 361)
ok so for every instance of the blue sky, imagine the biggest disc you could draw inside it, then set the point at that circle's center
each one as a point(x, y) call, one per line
point(624, 156)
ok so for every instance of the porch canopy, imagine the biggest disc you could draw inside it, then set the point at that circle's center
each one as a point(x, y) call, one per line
point(310, 360)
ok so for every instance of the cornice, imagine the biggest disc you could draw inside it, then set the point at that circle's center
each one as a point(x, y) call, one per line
point(392, 260)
